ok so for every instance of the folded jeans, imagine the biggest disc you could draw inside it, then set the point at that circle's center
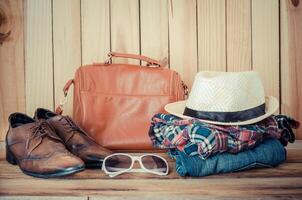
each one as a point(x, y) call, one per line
point(270, 153)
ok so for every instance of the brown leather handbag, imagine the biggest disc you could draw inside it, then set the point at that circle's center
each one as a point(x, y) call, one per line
point(114, 103)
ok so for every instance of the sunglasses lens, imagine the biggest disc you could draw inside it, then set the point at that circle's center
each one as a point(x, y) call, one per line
point(117, 163)
point(154, 163)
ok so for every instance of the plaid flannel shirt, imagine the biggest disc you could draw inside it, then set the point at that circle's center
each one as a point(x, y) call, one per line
point(194, 137)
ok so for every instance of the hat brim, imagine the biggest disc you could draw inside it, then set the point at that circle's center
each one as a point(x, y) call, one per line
point(271, 106)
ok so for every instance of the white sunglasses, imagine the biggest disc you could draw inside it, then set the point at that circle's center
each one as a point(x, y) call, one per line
point(119, 163)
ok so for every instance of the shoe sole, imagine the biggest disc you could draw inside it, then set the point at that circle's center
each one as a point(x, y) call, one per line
point(71, 170)
point(68, 171)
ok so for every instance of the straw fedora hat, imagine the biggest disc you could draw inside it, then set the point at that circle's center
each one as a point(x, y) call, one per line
point(226, 98)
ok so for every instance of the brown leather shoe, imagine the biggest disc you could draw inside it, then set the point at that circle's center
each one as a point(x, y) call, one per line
point(75, 139)
point(36, 148)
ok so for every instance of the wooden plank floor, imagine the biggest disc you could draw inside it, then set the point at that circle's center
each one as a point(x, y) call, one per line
point(283, 182)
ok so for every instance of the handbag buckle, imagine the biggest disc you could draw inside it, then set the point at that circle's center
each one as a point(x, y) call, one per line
point(108, 61)
point(186, 89)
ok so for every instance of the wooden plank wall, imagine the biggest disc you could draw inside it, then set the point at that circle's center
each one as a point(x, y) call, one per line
point(43, 42)
point(12, 71)
point(38, 50)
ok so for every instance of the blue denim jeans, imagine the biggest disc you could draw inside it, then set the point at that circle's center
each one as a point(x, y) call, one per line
point(270, 153)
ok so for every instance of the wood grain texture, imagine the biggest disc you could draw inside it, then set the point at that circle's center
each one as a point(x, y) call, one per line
point(238, 14)
point(12, 89)
point(43, 198)
point(211, 35)
point(125, 28)
point(193, 197)
point(95, 30)
point(167, 189)
point(154, 29)
point(291, 169)
point(38, 56)
point(284, 181)
point(183, 39)
point(291, 59)
point(265, 43)
point(201, 35)
point(67, 46)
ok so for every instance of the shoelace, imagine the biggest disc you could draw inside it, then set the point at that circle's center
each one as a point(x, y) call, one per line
point(72, 127)
point(40, 130)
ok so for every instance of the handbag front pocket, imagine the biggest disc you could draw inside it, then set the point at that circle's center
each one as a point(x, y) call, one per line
point(118, 121)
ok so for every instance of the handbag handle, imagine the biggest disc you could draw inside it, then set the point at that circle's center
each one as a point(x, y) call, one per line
point(148, 60)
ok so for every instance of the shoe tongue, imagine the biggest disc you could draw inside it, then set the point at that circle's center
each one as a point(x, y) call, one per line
point(56, 118)
point(41, 132)
point(50, 114)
